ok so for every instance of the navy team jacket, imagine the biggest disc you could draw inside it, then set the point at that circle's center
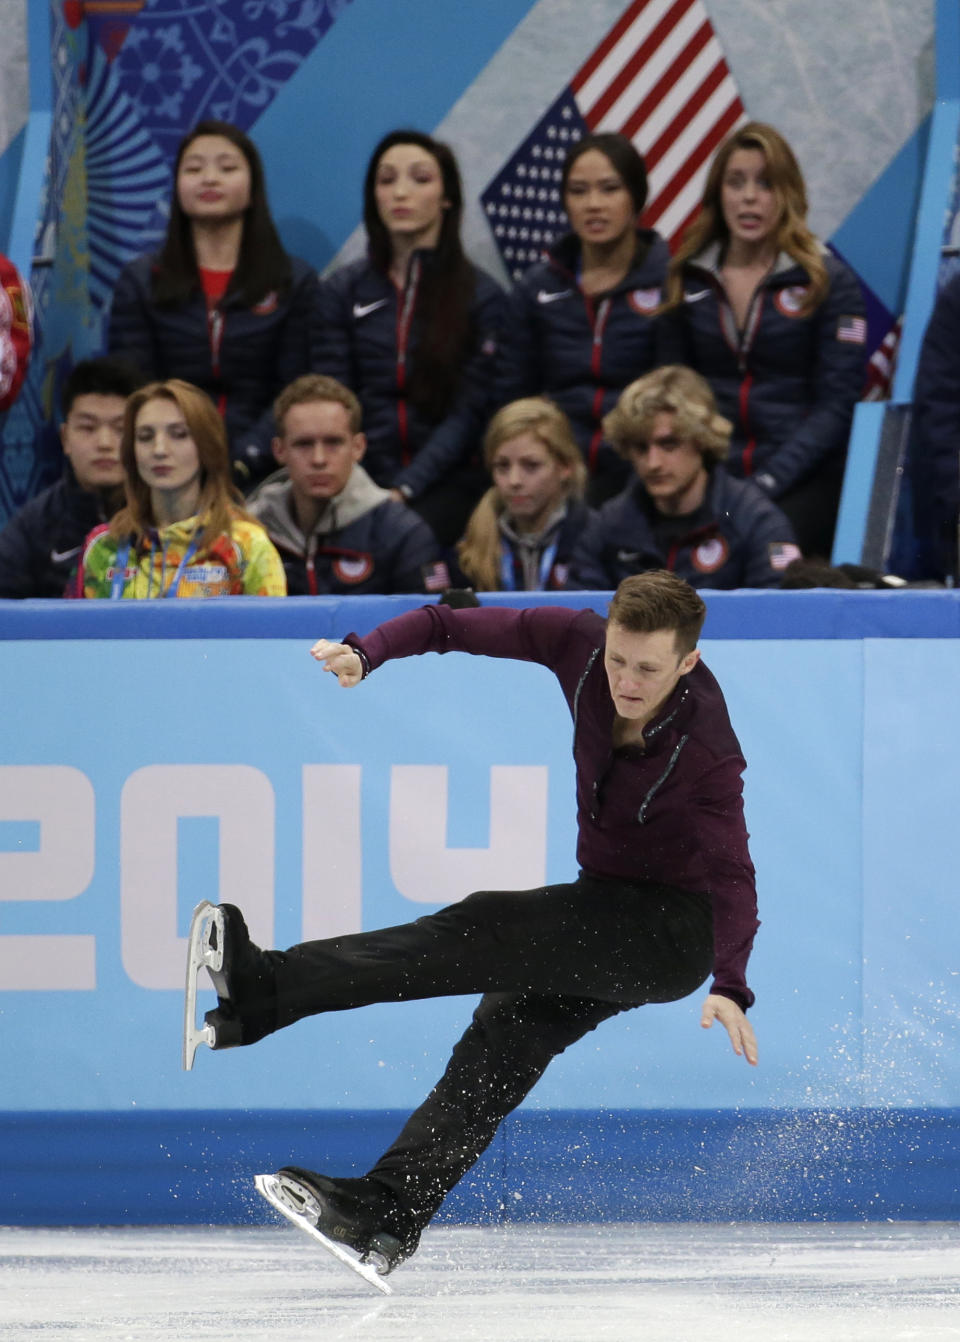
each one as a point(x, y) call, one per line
point(367, 338)
point(582, 350)
point(787, 382)
point(245, 354)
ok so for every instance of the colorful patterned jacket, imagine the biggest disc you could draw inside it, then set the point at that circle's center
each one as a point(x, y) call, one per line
point(244, 563)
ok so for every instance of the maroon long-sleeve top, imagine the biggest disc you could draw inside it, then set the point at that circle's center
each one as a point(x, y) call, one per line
point(670, 811)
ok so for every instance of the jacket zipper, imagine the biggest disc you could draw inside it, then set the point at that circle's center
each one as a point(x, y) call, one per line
point(215, 325)
point(404, 320)
point(598, 321)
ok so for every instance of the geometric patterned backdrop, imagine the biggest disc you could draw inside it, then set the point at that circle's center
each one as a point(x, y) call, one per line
point(129, 79)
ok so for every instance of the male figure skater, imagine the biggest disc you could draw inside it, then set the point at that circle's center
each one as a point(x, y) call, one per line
point(665, 891)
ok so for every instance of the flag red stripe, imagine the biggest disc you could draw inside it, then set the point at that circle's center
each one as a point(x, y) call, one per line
point(637, 61)
point(667, 81)
point(606, 46)
point(702, 152)
point(687, 112)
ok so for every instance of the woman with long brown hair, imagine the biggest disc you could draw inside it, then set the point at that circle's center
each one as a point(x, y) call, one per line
point(775, 323)
point(184, 531)
point(413, 329)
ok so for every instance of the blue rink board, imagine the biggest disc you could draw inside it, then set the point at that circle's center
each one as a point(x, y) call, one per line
point(847, 708)
point(742, 614)
point(565, 1165)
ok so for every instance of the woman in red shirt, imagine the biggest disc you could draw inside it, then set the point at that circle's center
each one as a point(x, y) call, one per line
point(221, 305)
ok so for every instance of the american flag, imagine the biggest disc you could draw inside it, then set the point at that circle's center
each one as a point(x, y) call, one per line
point(883, 365)
point(660, 77)
point(852, 330)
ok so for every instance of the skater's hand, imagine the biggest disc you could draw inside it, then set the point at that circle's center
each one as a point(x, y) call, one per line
point(735, 1023)
point(339, 658)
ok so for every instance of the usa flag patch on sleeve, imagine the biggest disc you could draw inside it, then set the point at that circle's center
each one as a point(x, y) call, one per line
point(783, 553)
point(852, 330)
point(436, 577)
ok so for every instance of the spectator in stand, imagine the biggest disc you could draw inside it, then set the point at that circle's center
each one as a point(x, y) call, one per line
point(221, 305)
point(936, 437)
point(683, 512)
point(776, 325)
point(40, 545)
point(414, 328)
point(582, 319)
point(183, 531)
point(336, 531)
point(522, 532)
point(16, 331)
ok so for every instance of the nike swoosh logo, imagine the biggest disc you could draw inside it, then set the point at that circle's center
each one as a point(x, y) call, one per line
point(544, 297)
point(361, 309)
point(60, 556)
point(695, 298)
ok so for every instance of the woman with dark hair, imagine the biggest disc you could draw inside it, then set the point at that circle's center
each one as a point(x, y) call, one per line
point(583, 317)
point(221, 305)
point(776, 324)
point(413, 329)
point(183, 531)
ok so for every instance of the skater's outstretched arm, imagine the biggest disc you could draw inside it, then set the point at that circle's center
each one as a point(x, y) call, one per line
point(556, 637)
point(735, 1022)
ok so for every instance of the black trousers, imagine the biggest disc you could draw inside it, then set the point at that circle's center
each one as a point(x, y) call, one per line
point(552, 964)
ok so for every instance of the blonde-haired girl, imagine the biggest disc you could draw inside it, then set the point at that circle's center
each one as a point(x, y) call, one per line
point(521, 533)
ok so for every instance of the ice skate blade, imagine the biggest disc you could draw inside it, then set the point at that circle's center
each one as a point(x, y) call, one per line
point(268, 1186)
point(204, 951)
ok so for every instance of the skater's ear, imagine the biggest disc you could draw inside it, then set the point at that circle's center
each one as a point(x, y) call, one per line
point(688, 662)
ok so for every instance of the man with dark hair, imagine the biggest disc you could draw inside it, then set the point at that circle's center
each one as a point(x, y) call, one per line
point(665, 892)
point(337, 532)
point(40, 545)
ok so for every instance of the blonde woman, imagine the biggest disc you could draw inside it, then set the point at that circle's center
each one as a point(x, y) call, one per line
point(776, 325)
point(184, 531)
point(521, 533)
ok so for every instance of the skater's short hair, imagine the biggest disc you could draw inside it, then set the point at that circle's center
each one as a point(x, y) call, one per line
point(648, 602)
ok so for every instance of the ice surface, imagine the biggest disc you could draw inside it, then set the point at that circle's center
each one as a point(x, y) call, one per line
point(622, 1283)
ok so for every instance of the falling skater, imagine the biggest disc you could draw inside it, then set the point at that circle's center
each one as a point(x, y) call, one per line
point(665, 893)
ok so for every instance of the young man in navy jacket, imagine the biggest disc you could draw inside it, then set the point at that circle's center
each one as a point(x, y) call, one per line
point(40, 545)
point(682, 511)
point(665, 894)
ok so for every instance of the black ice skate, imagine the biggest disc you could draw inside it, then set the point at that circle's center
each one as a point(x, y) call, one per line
point(242, 976)
point(349, 1217)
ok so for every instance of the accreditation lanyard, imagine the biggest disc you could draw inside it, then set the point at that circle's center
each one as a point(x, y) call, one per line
point(118, 582)
point(508, 575)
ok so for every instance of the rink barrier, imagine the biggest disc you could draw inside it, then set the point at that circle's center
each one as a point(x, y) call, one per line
point(563, 1165)
point(751, 614)
point(848, 702)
